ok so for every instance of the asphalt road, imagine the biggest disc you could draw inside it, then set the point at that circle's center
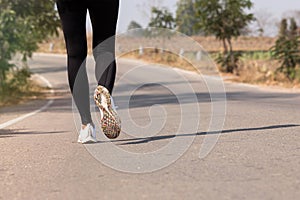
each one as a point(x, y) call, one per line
point(166, 118)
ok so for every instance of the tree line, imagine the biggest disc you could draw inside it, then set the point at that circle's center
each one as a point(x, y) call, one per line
point(228, 20)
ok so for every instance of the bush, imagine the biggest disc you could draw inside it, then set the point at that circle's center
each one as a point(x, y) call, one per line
point(297, 75)
point(16, 84)
point(23, 24)
point(286, 50)
point(229, 61)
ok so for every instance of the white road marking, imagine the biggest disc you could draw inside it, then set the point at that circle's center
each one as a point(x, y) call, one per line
point(18, 119)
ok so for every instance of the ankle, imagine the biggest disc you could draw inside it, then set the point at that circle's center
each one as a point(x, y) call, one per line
point(83, 126)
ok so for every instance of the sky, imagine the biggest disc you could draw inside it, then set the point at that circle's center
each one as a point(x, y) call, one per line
point(137, 9)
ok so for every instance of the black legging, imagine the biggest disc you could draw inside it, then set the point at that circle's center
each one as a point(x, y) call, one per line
point(103, 14)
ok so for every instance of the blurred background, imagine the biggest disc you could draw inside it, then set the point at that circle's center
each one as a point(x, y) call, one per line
point(250, 41)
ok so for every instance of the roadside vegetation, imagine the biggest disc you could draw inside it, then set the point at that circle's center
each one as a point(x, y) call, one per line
point(260, 61)
point(238, 43)
point(243, 52)
point(23, 25)
point(19, 87)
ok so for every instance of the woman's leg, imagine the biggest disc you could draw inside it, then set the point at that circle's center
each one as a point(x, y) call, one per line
point(104, 16)
point(73, 18)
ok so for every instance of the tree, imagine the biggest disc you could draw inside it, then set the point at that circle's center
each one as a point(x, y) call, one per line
point(286, 48)
point(133, 25)
point(23, 24)
point(292, 14)
point(162, 18)
point(185, 17)
point(293, 28)
point(161, 22)
point(225, 19)
point(146, 7)
point(283, 30)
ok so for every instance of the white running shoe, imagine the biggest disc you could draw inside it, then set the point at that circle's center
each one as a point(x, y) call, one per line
point(87, 135)
point(109, 120)
point(114, 107)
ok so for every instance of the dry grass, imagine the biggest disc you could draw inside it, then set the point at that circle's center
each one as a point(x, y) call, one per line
point(164, 58)
point(240, 44)
point(263, 72)
point(58, 45)
point(208, 43)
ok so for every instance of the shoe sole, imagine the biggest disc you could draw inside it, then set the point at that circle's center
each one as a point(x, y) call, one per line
point(87, 140)
point(110, 122)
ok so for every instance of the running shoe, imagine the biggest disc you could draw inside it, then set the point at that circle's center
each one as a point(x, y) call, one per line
point(109, 120)
point(87, 134)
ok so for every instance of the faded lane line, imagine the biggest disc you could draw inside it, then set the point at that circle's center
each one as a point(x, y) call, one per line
point(18, 119)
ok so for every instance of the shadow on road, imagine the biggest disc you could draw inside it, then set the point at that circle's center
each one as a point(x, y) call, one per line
point(5, 133)
point(156, 94)
point(150, 94)
point(154, 138)
point(145, 100)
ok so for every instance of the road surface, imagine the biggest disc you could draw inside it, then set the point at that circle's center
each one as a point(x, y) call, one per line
point(257, 155)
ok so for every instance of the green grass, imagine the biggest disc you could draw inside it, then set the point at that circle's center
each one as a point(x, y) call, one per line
point(256, 55)
point(250, 55)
